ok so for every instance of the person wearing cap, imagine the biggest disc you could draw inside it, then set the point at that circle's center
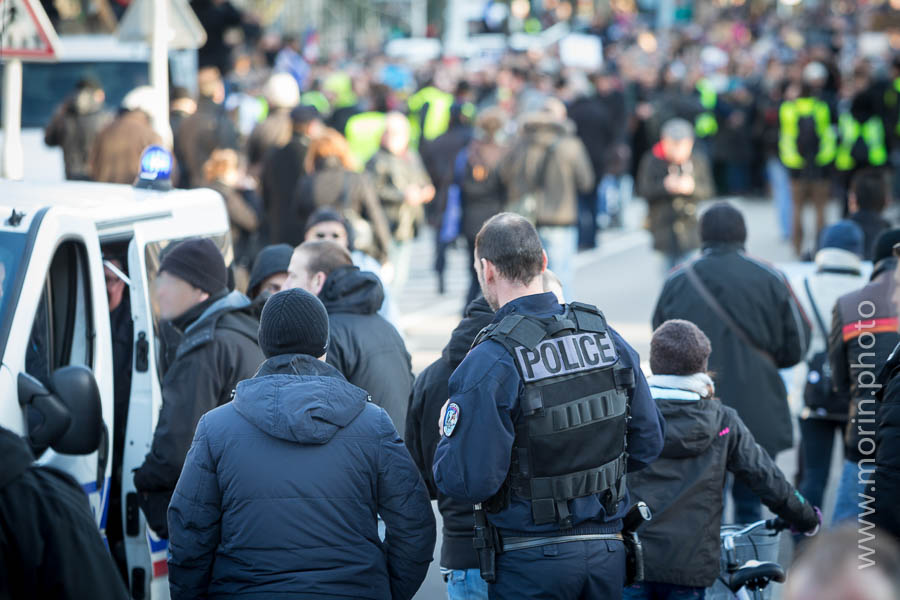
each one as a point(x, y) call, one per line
point(281, 170)
point(331, 181)
point(326, 224)
point(368, 350)
point(207, 129)
point(751, 315)
point(281, 487)
point(863, 333)
point(218, 348)
point(673, 178)
point(282, 95)
point(807, 144)
point(838, 271)
point(270, 270)
point(116, 153)
point(704, 440)
point(75, 125)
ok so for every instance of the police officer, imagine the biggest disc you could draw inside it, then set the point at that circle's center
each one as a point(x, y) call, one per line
point(536, 428)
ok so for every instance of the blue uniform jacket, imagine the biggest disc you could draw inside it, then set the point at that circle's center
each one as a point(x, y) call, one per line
point(472, 463)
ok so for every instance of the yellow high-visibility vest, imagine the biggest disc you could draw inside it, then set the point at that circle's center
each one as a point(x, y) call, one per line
point(789, 115)
point(872, 132)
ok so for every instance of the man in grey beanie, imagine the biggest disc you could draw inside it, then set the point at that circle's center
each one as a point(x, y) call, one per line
point(217, 348)
point(282, 486)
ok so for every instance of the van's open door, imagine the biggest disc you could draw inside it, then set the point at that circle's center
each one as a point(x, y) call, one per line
point(146, 553)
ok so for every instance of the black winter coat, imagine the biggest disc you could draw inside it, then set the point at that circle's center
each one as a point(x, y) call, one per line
point(281, 489)
point(761, 301)
point(282, 168)
point(887, 450)
point(218, 350)
point(50, 546)
point(683, 489)
point(363, 345)
point(430, 392)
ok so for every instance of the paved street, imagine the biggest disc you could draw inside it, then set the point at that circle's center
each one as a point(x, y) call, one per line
point(623, 277)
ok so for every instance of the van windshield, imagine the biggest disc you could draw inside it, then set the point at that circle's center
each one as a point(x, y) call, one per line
point(12, 247)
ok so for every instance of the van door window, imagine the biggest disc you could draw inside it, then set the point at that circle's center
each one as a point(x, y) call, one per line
point(63, 329)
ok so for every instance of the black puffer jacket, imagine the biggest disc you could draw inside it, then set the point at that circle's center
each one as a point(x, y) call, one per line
point(50, 546)
point(758, 298)
point(683, 488)
point(430, 392)
point(364, 346)
point(887, 449)
point(219, 349)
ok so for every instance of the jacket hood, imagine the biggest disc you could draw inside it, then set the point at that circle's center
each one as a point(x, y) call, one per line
point(229, 302)
point(16, 457)
point(349, 290)
point(691, 425)
point(837, 259)
point(539, 125)
point(478, 315)
point(299, 399)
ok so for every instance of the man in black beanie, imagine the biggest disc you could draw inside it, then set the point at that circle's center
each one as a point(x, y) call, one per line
point(863, 334)
point(217, 348)
point(750, 314)
point(282, 486)
point(269, 271)
point(364, 346)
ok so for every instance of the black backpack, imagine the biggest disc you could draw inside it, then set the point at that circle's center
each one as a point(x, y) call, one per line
point(807, 138)
point(818, 394)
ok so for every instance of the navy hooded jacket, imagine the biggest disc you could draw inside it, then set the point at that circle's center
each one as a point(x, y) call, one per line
point(280, 492)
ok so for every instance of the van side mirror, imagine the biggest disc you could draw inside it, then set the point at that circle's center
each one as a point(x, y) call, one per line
point(77, 389)
point(70, 418)
point(47, 417)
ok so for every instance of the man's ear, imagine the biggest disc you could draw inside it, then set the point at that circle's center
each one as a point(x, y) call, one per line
point(488, 271)
point(543, 261)
point(319, 282)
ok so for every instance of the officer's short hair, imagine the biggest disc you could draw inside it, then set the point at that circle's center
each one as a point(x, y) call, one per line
point(512, 244)
point(722, 223)
point(324, 256)
point(870, 187)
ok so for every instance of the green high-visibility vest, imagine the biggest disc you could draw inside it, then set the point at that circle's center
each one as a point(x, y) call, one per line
point(706, 124)
point(891, 99)
point(363, 133)
point(437, 117)
point(872, 132)
point(316, 99)
point(789, 115)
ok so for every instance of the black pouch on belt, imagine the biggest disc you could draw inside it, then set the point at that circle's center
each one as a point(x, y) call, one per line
point(634, 550)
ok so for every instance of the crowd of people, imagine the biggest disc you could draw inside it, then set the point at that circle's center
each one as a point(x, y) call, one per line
point(296, 451)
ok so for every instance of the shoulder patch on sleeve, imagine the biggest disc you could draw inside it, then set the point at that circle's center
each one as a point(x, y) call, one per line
point(451, 418)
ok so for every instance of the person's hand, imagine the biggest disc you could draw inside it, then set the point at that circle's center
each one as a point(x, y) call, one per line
point(672, 184)
point(440, 423)
point(428, 194)
point(687, 185)
point(411, 195)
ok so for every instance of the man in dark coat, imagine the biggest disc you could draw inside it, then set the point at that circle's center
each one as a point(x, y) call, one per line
point(673, 178)
point(774, 332)
point(50, 546)
point(281, 170)
point(216, 16)
point(364, 346)
point(430, 392)
point(217, 350)
point(282, 486)
point(204, 131)
point(75, 125)
point(886, 479)
point(869, 194)
point(863, 333)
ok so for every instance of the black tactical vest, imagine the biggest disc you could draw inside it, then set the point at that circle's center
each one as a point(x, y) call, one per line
point(570, 437)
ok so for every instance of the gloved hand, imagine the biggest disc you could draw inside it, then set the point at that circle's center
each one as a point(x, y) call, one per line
point(810, 524)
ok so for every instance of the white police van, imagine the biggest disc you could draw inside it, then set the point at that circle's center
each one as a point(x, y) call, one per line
point(56, 373)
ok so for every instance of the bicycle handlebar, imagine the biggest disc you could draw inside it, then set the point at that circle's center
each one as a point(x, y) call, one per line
point(777, 524)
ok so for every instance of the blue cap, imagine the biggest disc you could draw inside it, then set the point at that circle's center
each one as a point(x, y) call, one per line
point(156, 164)
point(845, 235)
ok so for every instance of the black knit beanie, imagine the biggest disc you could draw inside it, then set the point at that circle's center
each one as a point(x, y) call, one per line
point(199, 263)
point(679, 348)
point(293, 322)
point(884, 245)
point(271, 260)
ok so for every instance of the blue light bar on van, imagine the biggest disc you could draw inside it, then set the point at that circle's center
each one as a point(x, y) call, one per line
point(156, 168)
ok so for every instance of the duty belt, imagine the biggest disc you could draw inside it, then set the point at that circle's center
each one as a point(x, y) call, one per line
point(522, 543)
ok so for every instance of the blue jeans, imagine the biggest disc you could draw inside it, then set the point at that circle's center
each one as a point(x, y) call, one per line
point(780, 181)
point(649, 590)
point(561, 245)
point(846, 506)
point(465, 585)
